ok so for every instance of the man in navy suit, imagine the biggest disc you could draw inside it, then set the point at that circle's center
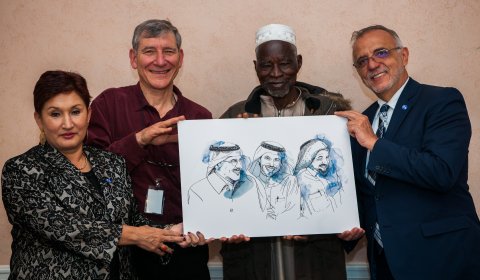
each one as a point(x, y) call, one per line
point(411, 174)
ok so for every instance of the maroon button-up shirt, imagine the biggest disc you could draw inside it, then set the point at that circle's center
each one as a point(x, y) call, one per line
point(117, 115)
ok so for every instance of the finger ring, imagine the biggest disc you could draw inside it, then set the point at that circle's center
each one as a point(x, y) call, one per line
point(194, 245)
point(163, 247)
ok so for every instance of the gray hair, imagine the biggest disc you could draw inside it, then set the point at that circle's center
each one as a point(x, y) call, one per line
point(363, 31)
point(153, 28)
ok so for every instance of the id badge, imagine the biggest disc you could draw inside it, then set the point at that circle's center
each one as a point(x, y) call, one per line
point(155, 199)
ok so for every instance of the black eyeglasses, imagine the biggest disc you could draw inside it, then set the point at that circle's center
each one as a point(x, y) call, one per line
point(377, 54)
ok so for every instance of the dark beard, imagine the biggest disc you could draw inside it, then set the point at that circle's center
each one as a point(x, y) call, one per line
point(278, 94)
point(323, 173)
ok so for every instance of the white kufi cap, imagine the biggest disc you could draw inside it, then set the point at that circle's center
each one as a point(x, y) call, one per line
point(273, 32)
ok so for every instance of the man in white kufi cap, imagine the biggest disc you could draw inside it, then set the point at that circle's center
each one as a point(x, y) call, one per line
point(275, 32)
point(281, 95)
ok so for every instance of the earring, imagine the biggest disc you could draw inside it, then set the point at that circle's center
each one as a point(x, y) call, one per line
point(41, 137)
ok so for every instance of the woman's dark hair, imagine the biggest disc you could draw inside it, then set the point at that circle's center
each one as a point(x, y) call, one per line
point(52, 83)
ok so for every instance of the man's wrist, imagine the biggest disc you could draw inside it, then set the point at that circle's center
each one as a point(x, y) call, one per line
point(371, 146)
point(138, 137)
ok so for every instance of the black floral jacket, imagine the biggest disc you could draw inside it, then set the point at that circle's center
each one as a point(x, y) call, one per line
point(62, 227)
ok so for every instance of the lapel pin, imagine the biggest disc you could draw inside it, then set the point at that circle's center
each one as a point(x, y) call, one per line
point(404, 107)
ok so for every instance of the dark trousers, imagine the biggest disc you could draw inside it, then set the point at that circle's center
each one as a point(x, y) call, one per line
point(380, 270)
point(185, 264)
point(320, 258)
point(247, 260)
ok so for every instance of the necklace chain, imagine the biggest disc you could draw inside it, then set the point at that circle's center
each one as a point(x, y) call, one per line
point(298, 98)
point(280, 111)
point(84, 162)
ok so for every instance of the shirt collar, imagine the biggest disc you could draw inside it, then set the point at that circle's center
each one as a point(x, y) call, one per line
point(296, 108)
point(393, 101)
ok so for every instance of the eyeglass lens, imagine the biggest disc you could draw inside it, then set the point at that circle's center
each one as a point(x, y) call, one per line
point(378, 54)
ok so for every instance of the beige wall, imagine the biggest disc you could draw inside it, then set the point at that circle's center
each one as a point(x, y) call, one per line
point(93, 37)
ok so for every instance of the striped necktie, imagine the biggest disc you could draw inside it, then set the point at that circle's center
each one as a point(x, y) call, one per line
point(382, 127)
point(382, 120)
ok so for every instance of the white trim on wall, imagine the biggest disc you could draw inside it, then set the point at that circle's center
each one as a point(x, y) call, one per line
point(4, 271)
point(354, 271)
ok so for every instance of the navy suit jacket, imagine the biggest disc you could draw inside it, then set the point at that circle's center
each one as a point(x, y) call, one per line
point(427, 218)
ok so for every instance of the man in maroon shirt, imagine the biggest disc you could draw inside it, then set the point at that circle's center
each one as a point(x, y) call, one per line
point(138, 122)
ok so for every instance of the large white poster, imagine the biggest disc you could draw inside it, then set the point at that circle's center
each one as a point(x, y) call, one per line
point(267, 176)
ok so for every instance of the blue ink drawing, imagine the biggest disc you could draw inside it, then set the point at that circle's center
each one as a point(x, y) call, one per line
point(226, 179)
point(317, 172)
point(278, 190)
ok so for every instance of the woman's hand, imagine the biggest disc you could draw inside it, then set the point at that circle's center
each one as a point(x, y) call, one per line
point(191, 239)
point(296, 237)
point(149, 238)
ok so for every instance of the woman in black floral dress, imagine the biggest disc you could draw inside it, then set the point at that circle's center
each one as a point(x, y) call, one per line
point(71, 206)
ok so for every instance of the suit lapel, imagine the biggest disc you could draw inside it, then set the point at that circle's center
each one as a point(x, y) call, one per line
point(370, 111)
point(404, 105)
point(110, 182)
point(100, 168)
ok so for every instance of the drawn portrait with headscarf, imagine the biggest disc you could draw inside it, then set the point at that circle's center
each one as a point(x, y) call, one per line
point(318, 175)
point(279, 192)
point(226, 178)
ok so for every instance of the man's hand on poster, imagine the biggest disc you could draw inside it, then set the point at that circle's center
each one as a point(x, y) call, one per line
point(235, 239)
point(296, 237)
point(348, 235)
point(353, 234)
point(246, 115)
point(159, 133)
point(359, 127)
